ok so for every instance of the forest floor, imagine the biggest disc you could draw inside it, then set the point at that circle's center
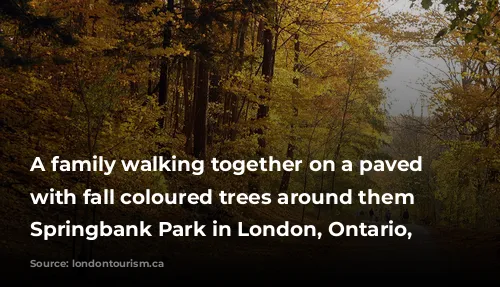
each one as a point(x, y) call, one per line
point(431, 250)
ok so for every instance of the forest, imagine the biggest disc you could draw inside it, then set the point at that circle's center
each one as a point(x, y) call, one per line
point(244, 80)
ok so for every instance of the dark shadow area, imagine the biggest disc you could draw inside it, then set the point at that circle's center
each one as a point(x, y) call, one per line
point(422, 257)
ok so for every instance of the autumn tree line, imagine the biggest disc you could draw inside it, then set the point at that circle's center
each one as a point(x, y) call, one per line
point(195, 79)
point(459, 133)
point(130, 79)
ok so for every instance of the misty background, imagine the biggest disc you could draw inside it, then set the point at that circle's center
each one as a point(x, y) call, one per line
point(408, 71)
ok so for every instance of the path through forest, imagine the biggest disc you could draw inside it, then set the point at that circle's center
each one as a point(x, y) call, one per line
point(426, 253)
point(393, 254)
point(332, 259)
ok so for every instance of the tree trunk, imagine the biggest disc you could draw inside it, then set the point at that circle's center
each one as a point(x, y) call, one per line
point(325, 149)
point(240, 49)
point(305, 170)
point(267, 68)
point(164, 67)
point(176, 107)
point(342, 129)
point(200, 108)
point(188, 110)
point(263, 110)
point(213, 97)
point(285, 179)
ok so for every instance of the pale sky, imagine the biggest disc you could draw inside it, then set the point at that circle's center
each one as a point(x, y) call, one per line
point(407, 71)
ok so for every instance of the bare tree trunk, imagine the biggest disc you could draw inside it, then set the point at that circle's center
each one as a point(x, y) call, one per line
point(176, 107)
point(240, 49)
point(330, 131)
point(263, 110)
point(164, 67)
point(213, 97)
point(84, 251)
point(306, 169)
point(200, 108)
point(267, 68)
point(188, 107)
point(342, 128)
point(285, 179)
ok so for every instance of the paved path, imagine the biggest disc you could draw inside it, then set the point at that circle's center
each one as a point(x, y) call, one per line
point(394, 254)
point(332, 259)
point(422, 254)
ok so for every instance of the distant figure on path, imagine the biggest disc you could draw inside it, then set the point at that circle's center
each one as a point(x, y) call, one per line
point(406, 216)
point(371, 214)
point(359, 214)
point(387, 215)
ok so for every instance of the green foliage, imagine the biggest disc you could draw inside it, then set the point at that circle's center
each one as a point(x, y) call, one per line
point(464, 184)
point(473, 18)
